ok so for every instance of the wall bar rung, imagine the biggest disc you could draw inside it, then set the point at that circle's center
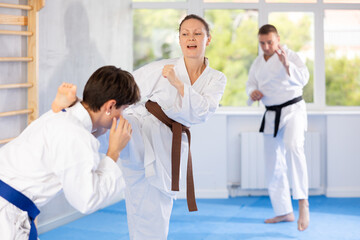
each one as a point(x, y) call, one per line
point(16, 6)
point(3, 141)
point(9, 32)
point(13, 20)
point(16, 85)
point(16, 59)
point(13, 113)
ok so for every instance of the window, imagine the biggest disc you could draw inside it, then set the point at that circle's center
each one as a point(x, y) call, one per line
point(233, 49)
point(291, 1)
point(159, 0)
point(242, 1)
point(342, 57)
point(326, 33)
point(155, 34)
point(341, 1)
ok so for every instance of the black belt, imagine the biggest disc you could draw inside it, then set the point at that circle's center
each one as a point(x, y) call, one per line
point(277, 109)
point(24, 203)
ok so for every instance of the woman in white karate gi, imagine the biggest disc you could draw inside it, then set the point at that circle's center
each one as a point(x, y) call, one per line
point(188, 91)
point(277, 78)
point(58, 152)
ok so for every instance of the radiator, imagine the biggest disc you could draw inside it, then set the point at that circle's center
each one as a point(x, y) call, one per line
point(253, 161)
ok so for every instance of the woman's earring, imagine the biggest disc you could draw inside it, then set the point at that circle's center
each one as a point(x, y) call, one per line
point(107, 113)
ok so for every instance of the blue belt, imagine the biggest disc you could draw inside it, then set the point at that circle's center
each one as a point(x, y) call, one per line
point(24, 203)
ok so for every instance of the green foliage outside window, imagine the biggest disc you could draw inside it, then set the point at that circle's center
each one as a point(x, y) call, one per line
point(342, 80)
point(234, 47)
point(155, 35)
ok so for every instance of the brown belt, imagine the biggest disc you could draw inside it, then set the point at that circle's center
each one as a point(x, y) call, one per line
point(177, 129)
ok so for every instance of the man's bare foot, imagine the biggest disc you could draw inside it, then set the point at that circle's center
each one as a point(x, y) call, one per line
point(65, 96)
point(304, 215)
point(283, 218)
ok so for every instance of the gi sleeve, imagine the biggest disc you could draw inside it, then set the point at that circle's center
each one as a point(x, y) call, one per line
point(146, 78)
point(88, 182)
point(299, 74)
point(194, 107)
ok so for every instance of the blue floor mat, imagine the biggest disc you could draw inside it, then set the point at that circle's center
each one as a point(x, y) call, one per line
point(226, 219)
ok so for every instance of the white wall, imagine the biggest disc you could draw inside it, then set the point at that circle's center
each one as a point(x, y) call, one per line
point(75, 38)
point(339, 150)
point(79, 36)
point(343, 158)
point(209, 157)
point(241, 121)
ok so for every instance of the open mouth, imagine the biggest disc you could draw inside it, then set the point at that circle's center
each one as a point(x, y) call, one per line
point(191, 46)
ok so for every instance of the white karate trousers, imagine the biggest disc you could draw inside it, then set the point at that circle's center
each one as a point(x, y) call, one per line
point(286, 151)
point(148, 208)
point(14, 223)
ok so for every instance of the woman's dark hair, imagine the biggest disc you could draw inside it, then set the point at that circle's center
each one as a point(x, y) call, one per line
point(107, 83)
point(193, 16)
point(266, 29)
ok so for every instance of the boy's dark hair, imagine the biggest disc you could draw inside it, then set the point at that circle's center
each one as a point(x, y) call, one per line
point(266, 29)
point(110, 82)
point(193, 16)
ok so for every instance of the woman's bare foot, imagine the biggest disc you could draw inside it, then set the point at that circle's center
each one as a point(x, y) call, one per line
point(65, 96)
point(304, 215)
point(283, 218)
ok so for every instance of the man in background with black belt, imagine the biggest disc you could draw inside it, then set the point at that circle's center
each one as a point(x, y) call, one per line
point(277, 78)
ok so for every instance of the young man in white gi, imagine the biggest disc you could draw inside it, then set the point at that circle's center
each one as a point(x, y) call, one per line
point(58, 152)
point(277, 78)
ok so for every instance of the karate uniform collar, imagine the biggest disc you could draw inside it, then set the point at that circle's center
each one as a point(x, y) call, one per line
point(181, 61)
point(79, 112)
point(183, 74)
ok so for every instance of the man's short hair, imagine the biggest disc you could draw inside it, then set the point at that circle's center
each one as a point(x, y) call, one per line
point(107, 83)
point(266, 29)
